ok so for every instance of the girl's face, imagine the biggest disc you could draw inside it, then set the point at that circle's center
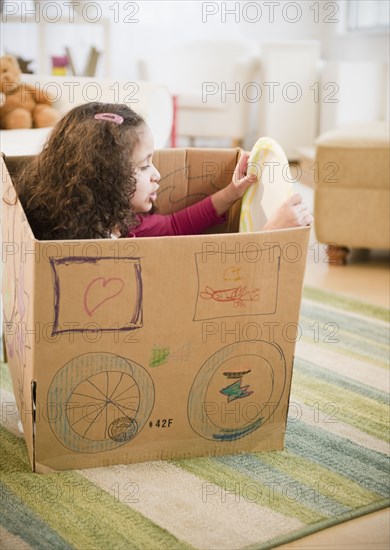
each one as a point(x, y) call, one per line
point(145, 173)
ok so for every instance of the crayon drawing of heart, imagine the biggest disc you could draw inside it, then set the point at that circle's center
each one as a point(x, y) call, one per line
point(99, 291)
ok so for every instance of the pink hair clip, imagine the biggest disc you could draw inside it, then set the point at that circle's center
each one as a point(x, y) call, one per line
point(111, 117)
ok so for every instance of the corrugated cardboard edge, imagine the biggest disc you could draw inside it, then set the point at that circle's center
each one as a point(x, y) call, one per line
point(28, 424)
point(33, 420)
point(42, 469)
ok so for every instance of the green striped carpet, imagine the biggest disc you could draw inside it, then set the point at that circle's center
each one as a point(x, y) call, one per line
point(335, 466)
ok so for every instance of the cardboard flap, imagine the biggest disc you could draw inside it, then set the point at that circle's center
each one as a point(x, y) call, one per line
point(173, 167)
point(190, 175)
point(210, 170)
point(18, 277)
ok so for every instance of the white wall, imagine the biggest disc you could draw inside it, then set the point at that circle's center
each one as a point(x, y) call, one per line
point(320, 20)
point(141, 27)
point(359, 63)
point(282, 20)
point(343, 45)
point(162, 24)
point(135, 28)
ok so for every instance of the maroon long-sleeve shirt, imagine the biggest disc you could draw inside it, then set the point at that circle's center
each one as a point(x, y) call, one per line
point(191, 220)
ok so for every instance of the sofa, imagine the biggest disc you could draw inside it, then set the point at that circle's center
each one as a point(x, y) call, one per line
point(352, 194)
point(153, 101)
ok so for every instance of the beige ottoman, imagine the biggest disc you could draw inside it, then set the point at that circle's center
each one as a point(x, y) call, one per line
point(351, 205)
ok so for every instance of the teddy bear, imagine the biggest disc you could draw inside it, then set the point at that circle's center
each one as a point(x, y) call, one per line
point(22, 105)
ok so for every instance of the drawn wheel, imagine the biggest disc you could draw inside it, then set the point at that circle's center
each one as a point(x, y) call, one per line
point(235, 392)
point(101, 401)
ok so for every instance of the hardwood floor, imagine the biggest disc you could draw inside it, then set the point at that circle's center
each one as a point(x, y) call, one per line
point(370, 532)
point(363, 278)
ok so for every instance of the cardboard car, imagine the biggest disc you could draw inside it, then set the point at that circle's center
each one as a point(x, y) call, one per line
point(141, 349)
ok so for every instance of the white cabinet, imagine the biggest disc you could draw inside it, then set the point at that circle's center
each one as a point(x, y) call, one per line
point(361, 95)
point(290, 93)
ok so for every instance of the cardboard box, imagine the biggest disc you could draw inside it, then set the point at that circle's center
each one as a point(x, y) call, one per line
point(152, 348)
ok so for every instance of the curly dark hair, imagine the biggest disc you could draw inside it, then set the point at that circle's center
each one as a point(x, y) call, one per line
point(80, 185)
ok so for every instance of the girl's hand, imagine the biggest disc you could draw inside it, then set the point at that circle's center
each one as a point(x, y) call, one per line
point(292, 213)
point(241, 181)
point(225, 198)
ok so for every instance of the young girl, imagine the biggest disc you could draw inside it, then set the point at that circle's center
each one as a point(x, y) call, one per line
point(95, 179)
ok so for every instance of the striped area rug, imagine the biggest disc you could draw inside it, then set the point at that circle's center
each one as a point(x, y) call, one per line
point(335, 466)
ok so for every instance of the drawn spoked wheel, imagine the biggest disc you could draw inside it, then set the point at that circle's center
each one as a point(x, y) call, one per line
point(99, 401)
point(235, 391)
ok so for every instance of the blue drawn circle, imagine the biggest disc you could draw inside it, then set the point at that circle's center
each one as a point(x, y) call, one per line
point(206, 426)
point(90, 393)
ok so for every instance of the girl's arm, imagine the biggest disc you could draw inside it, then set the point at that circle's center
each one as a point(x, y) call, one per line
point(292, 213)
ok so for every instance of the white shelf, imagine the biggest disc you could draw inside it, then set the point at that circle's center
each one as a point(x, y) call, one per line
point(42, 30)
